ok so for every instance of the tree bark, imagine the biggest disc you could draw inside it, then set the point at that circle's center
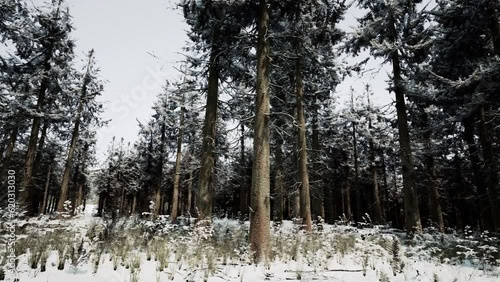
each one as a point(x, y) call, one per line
point(492, 168)
point(189, 191)
point(435, 198)
point(318, 201)
point(260, 237)
point(347, 195)
point(25, 192)
point(412, 211)
point(305, 198)
point(478, 177)
point(243, 185)
point(158, 197)
point(205, 190)
point(43, 207)
point(177, 176)
point(278, 182)
point(74, 138)
point(377, 207)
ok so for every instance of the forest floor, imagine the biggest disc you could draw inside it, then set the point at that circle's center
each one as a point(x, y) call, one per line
point(87, 248)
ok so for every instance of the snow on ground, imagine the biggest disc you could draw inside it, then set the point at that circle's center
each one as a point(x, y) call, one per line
point(87, 248)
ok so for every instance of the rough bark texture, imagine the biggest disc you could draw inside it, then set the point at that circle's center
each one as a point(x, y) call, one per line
point(305, 198)
point(260, 238)
point(412, 211)
point(205, 189)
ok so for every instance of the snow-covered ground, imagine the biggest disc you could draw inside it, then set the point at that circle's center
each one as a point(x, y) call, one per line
point(87, 248)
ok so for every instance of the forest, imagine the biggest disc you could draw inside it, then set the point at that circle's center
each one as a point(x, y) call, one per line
point(253, 129)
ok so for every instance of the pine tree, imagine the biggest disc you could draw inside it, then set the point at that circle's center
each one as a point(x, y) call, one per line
point(386, 31)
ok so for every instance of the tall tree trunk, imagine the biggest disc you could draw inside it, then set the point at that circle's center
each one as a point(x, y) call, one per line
point(385, 189)
point(492, 168)
point(177, 176)
point(377, 207)
point(243, 184)
point(189, 193)
point(278, 181)
point(305, 198)
point(260, 237)
point(478, 177)
point(74, 138)
point(158, 197)
point(134, 204)
point(205, 190)
point(318, 202)
point(25, 192)
point(35, 200)
point(435, 204)
point(359, 212)
point(347, 195)
point(43, 206)
point(412, 211)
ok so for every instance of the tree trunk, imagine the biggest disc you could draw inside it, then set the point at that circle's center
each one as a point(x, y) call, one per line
point(318, 201)
point(478, 177)
point(189, 192)
point(305, 198)
point(205, 190)
point(435, 198)
point(377, 207)
point(359, 213)
point(491, 168)
point(25, 192)
point(243, 184)
point(157, 200)
point(177, 176)
point(74, 138)
point(134, 204)
point(412, 211)
point(385, 189)
point(347, 195)
point(43, 207)
point(260, 237)
point(278, 182)
point(69, 161)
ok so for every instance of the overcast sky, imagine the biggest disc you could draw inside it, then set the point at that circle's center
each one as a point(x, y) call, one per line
point(137, 43)
point(124, 34)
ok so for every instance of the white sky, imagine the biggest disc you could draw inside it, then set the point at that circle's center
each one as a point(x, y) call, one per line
point(124, 32)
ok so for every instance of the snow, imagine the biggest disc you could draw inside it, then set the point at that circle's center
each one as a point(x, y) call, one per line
point(144, 250)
